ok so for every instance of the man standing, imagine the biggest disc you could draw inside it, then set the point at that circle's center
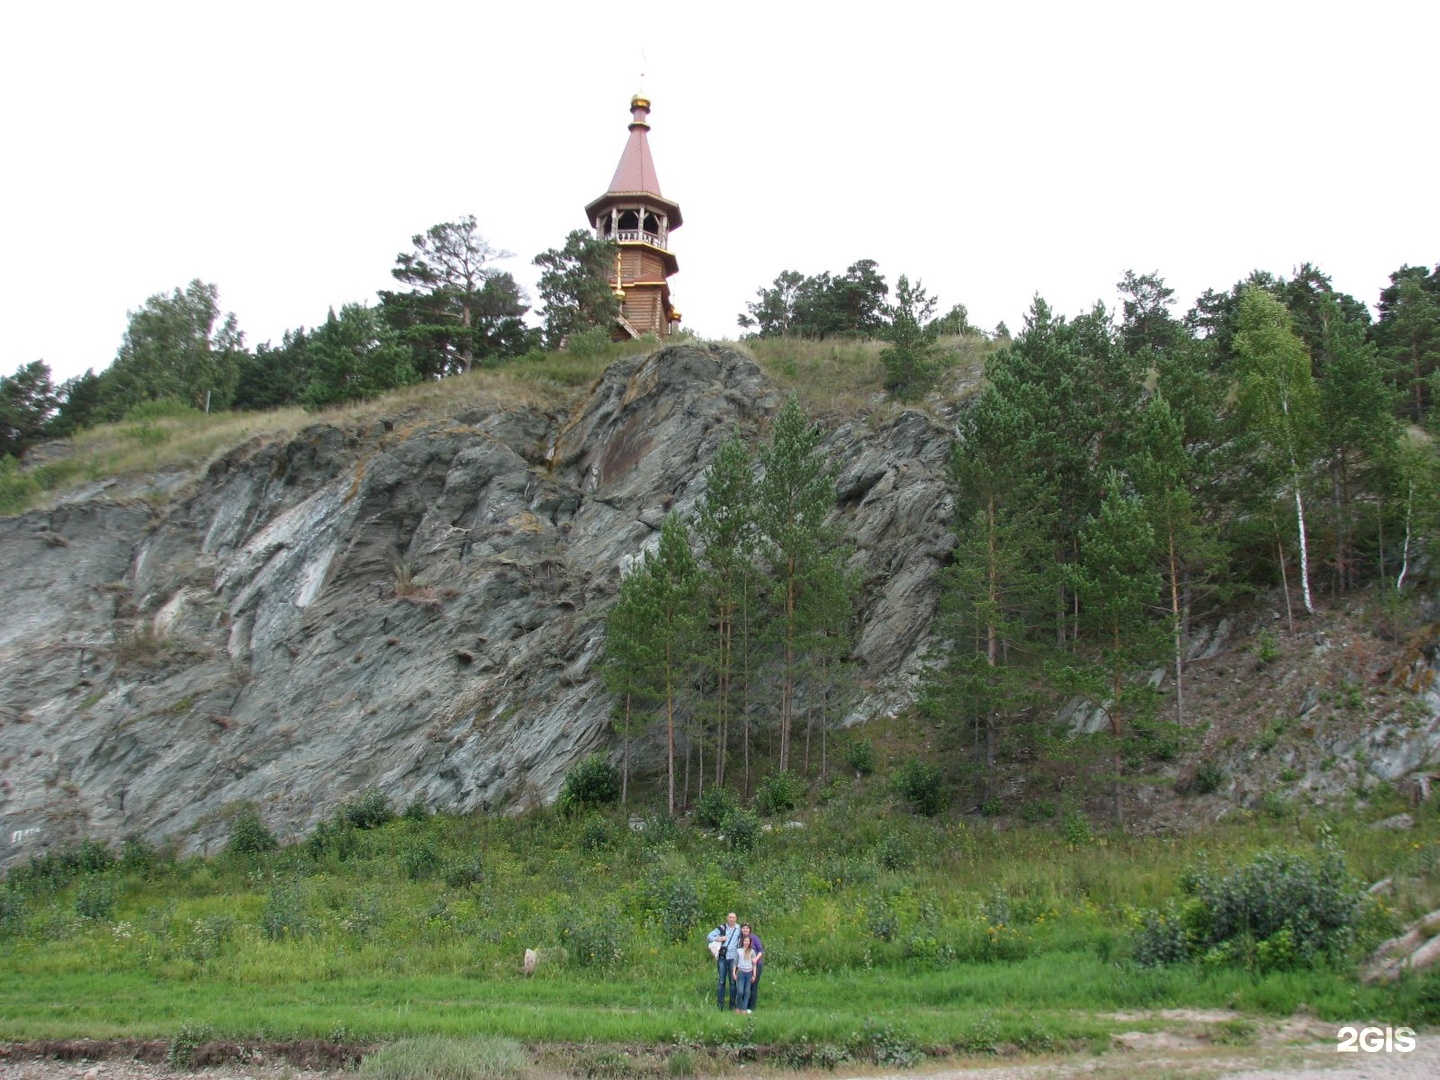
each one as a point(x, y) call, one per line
point(759, 961)
point(729, 938)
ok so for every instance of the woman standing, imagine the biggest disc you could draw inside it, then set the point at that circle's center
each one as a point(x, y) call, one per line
point(744, 974)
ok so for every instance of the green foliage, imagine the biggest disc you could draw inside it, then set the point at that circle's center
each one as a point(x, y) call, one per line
point(860, 756)
point(820, 306)
point(1075, 828)
point(779, 792)
point(17, 487)
point(1209, 777)
point(595, 938)
point(461, 310)
point(28, 402)
point(918, 783)
point(355, 356)
point(1038, 810)
point(713, 807)
point(12, 910)
point(173, 349)
point(592, 783)
point(910, 360)
point(180, 1053)
point(1280, 911)
point(369, 811)
point(285, 914)
point(887, 1045)
point(248, 834)
point(675, 904)
point(895, 851)
point(419, 857)
point(1267, 646)
point(465, 871)
point(575, 287)
point(95, 897)
point(742, 830)
point(433, 1057)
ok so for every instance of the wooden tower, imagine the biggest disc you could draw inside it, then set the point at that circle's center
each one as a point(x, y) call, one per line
point(639, 219)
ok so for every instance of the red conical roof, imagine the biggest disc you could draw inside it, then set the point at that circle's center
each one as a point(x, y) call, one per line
point(636, 171)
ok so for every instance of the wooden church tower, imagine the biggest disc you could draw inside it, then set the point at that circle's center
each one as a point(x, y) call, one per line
point(639, 219)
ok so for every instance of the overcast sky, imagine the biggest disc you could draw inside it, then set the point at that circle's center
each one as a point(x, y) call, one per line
point(287, 151)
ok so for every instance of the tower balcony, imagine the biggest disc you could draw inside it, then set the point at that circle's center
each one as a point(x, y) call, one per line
point(639, 236)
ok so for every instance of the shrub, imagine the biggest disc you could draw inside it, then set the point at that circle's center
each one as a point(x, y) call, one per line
point(676, 902)
point(248, 834)
point(369, 811)
point(1280, 911)
point(465, 872)
point(778, 792)
point(93, 857)
point(593, 939)
point(742, 830)
point(419, 858)
point(180, 1054)
point(95, 898)
point(284, 913)
point(714, 807)
point(435, 1057)
point(1038, 811)
point(860, 756)
point(1209, 777)
point(992, 807)
point(1075, 828)
point(918, 783)
point(12, 911)
point(592, 783)
point(895, 851)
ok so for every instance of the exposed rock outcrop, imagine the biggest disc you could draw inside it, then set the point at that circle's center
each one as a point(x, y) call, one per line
point(418, 610)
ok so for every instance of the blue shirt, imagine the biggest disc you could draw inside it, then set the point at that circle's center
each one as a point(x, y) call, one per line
point(730, 935)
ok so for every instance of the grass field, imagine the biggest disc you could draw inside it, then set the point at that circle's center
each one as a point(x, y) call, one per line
point(881, 929)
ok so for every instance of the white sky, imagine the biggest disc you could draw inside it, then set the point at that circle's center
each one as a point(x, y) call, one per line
point(288, 151)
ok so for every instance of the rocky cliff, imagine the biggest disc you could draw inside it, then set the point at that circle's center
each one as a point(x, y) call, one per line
point(411, 606)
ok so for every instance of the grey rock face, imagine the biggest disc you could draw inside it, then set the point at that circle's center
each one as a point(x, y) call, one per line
point(417, 610)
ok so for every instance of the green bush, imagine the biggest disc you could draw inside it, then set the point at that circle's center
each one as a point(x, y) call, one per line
point(778, 792)
point(419, 858)
point(369, 811)
point(918, 783)
point(284, 914)
point(248, 834)
point(12, 911)
point(1209, 777)
point(860, 756)
point(1038, 811)
point(714, 807)
point(742, 830)
point(1075, 828)
point(895, 851)
point(465, 872)
point(592, 783)
point(593, 938)
point(95, 898)
point(1280, 911)
point(435, 1057)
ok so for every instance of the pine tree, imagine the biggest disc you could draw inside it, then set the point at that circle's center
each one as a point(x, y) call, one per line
point(669, 587)
point(795, 496)
point(725, 529)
